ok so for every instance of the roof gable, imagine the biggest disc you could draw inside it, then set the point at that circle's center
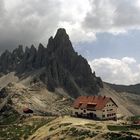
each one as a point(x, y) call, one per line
point(96, 102)
point(113, 102)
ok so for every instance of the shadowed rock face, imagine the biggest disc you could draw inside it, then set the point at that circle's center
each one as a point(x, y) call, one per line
point(64, 67)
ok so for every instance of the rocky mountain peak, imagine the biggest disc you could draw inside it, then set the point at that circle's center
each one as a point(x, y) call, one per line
point(61, 33)
point(41, 47)
point(61, 40)
point(63, 66)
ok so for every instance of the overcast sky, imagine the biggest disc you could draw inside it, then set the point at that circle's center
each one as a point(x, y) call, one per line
point(106, 32)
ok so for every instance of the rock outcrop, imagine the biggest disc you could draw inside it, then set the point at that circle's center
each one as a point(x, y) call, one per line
point(63, 66)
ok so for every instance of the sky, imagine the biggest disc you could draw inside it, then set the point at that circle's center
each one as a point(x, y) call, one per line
point(105, 32)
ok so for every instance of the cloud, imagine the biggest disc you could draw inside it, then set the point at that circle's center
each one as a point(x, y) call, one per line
point(33, 21)
point(28, 21)
point(2, 10)
point(128, 60)
point(113, 16)
point(72, 15)
point(119, 71)
point(76, 33)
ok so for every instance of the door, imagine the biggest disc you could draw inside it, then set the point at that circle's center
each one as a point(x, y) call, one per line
point(92, 115)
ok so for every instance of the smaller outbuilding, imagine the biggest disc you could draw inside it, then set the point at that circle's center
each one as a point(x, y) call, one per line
point(27, 110)
point(136, 122)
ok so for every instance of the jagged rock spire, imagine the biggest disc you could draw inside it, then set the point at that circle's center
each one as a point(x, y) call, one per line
point(64, 67)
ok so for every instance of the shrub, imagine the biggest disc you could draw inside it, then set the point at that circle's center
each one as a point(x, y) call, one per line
point(117, 128)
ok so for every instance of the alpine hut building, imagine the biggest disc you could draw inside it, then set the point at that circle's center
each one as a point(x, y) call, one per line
point(95, 107)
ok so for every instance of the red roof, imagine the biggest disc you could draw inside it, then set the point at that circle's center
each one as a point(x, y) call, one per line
point(26, 109)
point(92, 102)
point(137, 122)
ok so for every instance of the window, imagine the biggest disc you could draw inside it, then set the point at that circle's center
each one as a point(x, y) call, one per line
point(108, 115)
point(109, 109)
point(84, 111)
point(103, 116)
point(76, 113)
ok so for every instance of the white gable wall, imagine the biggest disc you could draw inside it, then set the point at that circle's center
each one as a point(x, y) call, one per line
point(110, 110)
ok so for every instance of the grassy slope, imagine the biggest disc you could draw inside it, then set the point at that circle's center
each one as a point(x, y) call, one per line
point(23, 128)
point(69, 128)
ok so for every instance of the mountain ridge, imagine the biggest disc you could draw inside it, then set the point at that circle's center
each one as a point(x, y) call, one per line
point(63, 66)
point(135, 89)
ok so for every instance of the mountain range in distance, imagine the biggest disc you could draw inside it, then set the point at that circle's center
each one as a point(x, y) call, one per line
point(126, 88)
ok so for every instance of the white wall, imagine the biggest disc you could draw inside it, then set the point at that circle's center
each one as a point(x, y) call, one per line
point(110, 108)
point(97, 112)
